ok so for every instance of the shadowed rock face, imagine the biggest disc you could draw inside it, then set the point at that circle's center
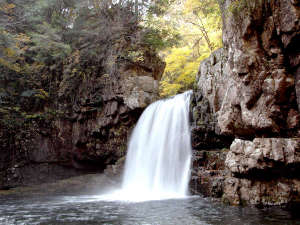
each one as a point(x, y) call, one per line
point(204, 127)
point(252, 86)
point(208, 173)
point(98, 103)
point(106, 109)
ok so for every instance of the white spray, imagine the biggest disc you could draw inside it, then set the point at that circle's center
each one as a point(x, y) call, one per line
point(159, 153)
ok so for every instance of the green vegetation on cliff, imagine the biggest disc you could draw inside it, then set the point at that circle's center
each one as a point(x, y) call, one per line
point(69, 74)
point(39, 39)
point(52, 51)
point(44, 42)
point(48, 48)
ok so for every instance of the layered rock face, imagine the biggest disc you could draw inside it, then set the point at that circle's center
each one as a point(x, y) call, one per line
point(208, 173)
point(264, 171)
point(252, 86)
point(205, 131)
point(107, 106)
point(95, 102)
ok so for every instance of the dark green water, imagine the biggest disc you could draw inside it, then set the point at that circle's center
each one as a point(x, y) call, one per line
point(88, 210)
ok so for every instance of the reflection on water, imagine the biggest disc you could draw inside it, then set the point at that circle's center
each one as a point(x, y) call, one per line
point(89, 210)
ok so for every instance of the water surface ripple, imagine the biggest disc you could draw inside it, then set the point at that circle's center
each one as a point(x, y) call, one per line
point(89, 210)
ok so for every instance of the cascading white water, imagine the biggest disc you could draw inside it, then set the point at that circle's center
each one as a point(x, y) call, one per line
point(159, 153)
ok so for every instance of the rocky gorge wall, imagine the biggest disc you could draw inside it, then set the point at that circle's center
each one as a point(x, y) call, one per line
point(250, 92)
point(83, 123)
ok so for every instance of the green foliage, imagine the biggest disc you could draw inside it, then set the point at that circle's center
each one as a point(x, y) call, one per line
point(47, 47)
point(157, 34)
point(40, 93)
point(199, 23)
point(236, 7)
point(181, 70)
point(161, 38)
point(160, 8)
point(38, 37)
point(135, 55)
point(241, 8)
point(41, 40)
point(45, 32)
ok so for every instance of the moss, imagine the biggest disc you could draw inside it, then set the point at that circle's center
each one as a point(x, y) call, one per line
point(4, 111)
point(225, 150)
point(221, 2)
point(243, 202)
point(225, 200)
point(123, 149)
point(238, 8)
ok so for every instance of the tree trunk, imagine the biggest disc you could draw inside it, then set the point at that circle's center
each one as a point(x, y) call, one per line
point(136, 10)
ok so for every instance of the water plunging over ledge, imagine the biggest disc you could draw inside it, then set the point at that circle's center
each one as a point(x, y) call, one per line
point(159, 153)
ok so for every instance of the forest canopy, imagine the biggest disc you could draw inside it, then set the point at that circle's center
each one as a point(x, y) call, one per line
point(199, 26)
point(46, 45)
point(36, 36)
point(35, 33)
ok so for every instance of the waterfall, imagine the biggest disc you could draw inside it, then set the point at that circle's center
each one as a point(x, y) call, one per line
point(159, 152)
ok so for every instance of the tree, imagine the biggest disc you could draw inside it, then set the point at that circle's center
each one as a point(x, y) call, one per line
point(199, 23)
point(37, 37)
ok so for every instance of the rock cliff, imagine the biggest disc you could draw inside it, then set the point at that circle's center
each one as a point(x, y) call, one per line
point(252, 86)
point(82, 124)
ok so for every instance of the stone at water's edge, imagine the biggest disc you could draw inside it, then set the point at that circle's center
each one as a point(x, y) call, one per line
point(75, 185)
point(208, 173)
point(252, 87)
point(265, 171)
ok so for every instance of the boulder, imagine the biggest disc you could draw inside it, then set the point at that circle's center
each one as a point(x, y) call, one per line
point(263, 171)
point(263, 155)
point(276, 192)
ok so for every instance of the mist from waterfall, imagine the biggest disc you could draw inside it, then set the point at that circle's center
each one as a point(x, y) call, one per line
point(159, 153)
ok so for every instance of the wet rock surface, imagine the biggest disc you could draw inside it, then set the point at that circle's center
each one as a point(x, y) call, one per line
point(75, 185)
point(251, 88)
point(275, 192)
point(208, 173)
point(205, 131)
